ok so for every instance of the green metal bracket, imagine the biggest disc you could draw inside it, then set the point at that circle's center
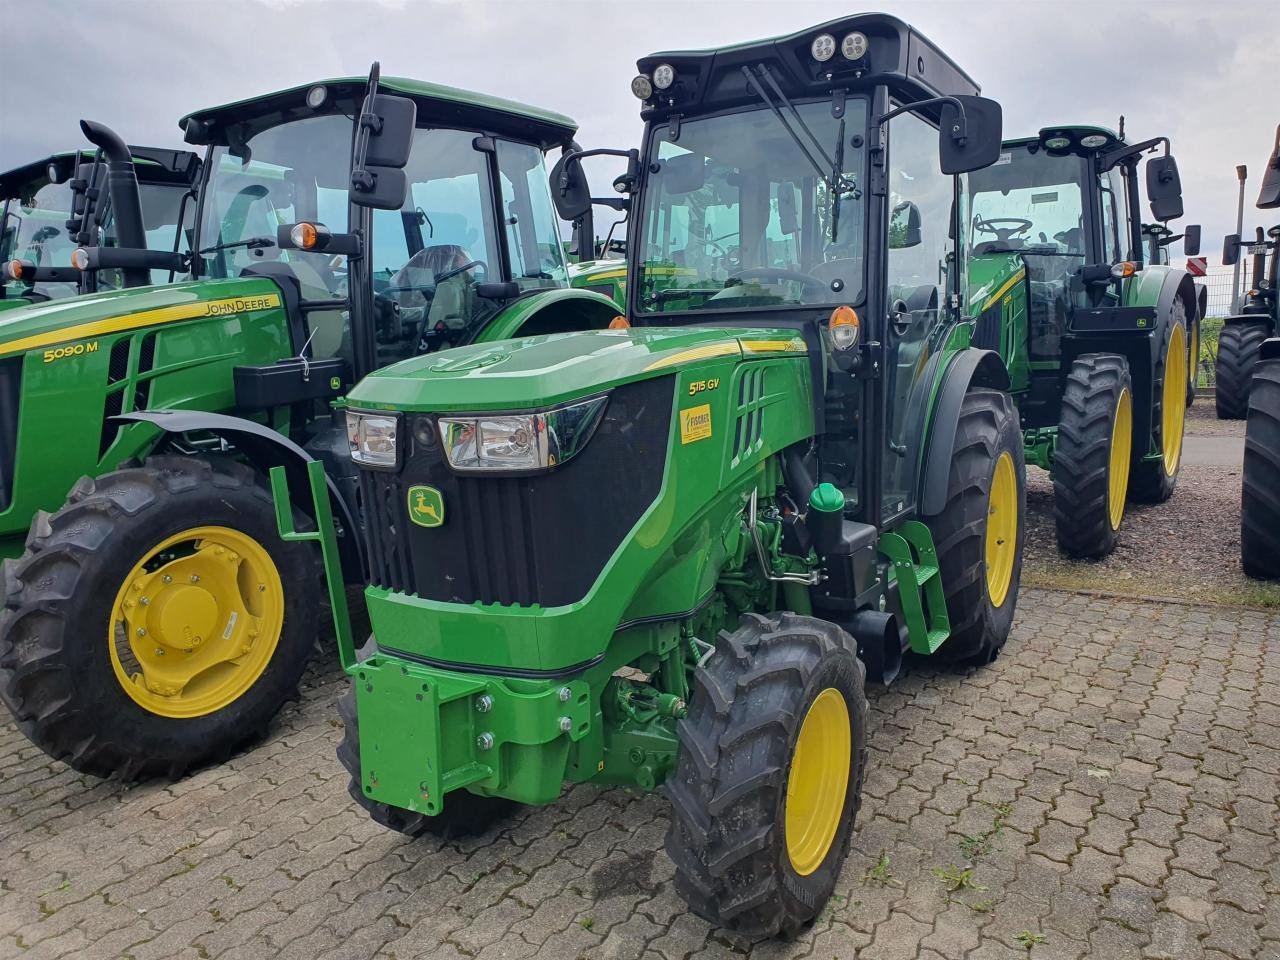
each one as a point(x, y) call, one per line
point(328, 541)
point(1039, 446)
point(914, 565)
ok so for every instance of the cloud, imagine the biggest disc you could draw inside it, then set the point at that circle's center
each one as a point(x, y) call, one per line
point(1189, 70)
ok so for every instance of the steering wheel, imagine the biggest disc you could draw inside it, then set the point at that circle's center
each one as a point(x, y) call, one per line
point(470, 264)
point(776, 273)
point(1003, 233)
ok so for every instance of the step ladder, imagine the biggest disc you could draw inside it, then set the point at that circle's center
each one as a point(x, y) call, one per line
point(913, 565)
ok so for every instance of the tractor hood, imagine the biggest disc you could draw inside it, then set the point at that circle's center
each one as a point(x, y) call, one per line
point(45, 325)
point(538, 372)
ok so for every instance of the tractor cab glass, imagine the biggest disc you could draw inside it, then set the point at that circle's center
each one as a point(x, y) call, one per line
point(736, 216)
point(35, 230)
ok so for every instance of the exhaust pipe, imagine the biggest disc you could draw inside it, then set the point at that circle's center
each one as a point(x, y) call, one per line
point(126, 202)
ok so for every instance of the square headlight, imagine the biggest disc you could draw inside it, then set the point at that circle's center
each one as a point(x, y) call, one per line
point(373, 438)
point(504, 443)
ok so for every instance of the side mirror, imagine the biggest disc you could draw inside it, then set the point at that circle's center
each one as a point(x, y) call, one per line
point(377, 174)
point(683, 174)
point(1230, 249)
point(904, 226)
point(972, 141)
point(1191, 240)
point(570, 191)
point(1164, 188)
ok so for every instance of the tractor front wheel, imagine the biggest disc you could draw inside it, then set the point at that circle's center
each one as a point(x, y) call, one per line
point(1260, 504)
point(156, 622)
point(1239, 346)
point(1091, 463)
point(769, 775)
point(980, 531)
point(1152, 481)
point(464, 814)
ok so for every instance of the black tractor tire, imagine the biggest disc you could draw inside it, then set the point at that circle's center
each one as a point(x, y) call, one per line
point(56, 671)
point(1260, 501)
point(727, 836)
point(465, 815)
point(1082, 463)
point(1150, 481)
point(1239, 346)
point(988, 429)
point(1193, 359)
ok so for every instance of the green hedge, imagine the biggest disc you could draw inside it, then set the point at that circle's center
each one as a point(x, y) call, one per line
point(1210, 327)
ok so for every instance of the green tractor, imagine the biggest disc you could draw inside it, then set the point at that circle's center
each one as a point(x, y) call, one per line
point(52, 206)
point(1100, 345)
point(672, 553)
point(1260, 503)
point(1242, 336)
point(154, 621)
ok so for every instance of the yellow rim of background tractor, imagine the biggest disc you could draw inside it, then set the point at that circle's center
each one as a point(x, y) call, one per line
point(1002, 529)
point(1173, 403)
point(1121, 452)
point(1193, 356)
point(818, 781)
point(196, 621)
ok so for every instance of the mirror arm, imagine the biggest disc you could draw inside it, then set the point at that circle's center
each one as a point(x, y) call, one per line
point(959, 130)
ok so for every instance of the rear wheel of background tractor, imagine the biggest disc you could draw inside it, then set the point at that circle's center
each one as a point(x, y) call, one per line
point(1193, 359)
point(1260, 503)
point(1152, 481)
point(769, 776)
point(156, 622)
point(464, 815)
point(1239, 346)
point(1091, 462)
point(980, 531)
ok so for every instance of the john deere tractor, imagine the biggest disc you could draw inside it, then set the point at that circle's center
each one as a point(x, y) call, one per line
point(1242, 336)
point(1260, 504)
point(1096, 340)
point(671, 553)
point(53, 206)
point(154, 621)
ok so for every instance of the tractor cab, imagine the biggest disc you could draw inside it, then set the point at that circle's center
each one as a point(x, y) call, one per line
point(52, 206)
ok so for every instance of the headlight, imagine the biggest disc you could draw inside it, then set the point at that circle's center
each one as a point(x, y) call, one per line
point(823, 47)
point(373, 438)
point(505, 443)
point(664, 75)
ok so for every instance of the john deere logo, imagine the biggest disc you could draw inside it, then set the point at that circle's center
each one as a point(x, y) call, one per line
point(426, 506)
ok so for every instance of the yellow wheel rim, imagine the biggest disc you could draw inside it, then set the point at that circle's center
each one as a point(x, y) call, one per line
point(196, 621)
point(1173, 401)
point(1002, 529)
point(1121, 453)
point(818, 781)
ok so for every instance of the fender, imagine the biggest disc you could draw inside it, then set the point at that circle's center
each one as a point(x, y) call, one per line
point(971, 367)
point(265, 448)
point(1176, 284)
point(563, 310)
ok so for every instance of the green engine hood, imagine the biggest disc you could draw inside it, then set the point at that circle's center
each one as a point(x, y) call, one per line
point(45, 325)
point(538, 372)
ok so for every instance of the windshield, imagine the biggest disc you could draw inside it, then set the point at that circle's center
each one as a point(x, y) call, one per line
point(737, 216)
point(36, 230)
point(162, 209)
point(1028, 202)
point(285, 173)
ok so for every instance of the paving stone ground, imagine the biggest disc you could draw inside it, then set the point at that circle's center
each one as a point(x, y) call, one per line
point(1109, 788)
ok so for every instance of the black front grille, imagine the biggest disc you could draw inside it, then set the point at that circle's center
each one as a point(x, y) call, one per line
point(10, 392)
point(540, 539)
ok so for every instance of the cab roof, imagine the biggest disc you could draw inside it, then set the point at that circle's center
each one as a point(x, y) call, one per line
point(436, 103)
point(897, 55)
point(153, 165)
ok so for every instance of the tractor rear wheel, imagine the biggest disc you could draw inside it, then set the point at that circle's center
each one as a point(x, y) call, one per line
point(1152, 481)
point(1091, 462)
point(148, 628)
point(1193, 359)
point(466, 815)
point(1239, 346)
point(1260, 504)
point(979, 533)
point(769, 776)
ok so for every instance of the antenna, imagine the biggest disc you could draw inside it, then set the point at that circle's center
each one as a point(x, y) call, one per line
point(1122, 126)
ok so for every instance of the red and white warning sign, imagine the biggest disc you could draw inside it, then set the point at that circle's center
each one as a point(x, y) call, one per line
point(1198, 266)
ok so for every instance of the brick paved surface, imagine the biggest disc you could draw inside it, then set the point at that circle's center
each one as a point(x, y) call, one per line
point(1109, 788)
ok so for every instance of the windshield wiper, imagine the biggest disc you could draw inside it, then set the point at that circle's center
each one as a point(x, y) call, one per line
point(253, 243)
point(832, 176)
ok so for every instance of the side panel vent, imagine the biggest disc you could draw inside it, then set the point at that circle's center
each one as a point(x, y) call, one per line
point(10, 392)
point(118, 366)
point(749, 395)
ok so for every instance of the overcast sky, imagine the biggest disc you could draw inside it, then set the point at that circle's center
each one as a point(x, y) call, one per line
point(1197, 72)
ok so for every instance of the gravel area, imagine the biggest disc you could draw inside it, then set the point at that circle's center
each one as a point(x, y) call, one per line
point(1185, 549)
